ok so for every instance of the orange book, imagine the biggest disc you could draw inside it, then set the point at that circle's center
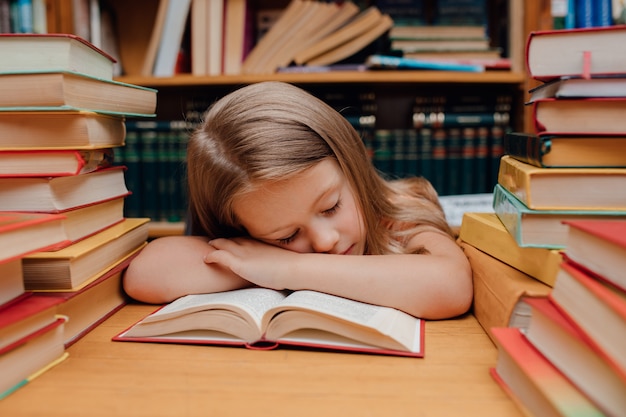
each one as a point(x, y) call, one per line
point(532, 381)
point(597, 308)
point(577, 356)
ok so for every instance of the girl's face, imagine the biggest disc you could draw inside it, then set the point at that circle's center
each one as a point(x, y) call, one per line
point(314, 211)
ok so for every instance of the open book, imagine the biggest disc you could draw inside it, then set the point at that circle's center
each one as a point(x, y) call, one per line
point(261, 318)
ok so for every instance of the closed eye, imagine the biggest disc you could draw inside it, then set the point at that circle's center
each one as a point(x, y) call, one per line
point(288, 239)
point(333, 209)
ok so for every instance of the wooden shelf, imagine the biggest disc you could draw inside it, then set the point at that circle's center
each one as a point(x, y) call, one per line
point(347, 77)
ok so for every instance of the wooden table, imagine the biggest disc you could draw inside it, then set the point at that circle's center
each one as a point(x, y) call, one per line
point(104, 378)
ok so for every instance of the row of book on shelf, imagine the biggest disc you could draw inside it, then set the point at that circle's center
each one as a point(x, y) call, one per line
point(214, 37)
point(548, 262)
point(64, 239)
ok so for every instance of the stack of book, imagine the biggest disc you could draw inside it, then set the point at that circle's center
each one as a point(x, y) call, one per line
point(31, 333)
point(61, 114)
point(453, 31)
point(571, 360)
point(567, 175)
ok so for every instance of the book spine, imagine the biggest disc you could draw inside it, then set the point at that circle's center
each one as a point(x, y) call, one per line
point(412, 155)
point(453, 156)
point(383, 151)
point(496, 151)
point(480, 155)
point(439, 174)
point(468, 171)
point(398, 155)
point(524, 147)
point(602, 13)
point(584, 13)
point(132, 161)
point(452, 119)
point(426, 153)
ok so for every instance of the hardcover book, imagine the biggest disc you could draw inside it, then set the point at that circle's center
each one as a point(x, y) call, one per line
point(25, 233)
point(566, 151)
point(563, 188)
point(530, 379)
point(485, 232)
point(59, 130)
point(55, 194)
point(263, 318)
point(577, 356)
point(74, 91)
point(53, 163)
point(31, 340)
point(579, 87)
point(599, 246)
point(540, 228)
point(579, 116)
point(53, 52)
point(498, 291)
point(90, 305)
point(598, 309)
point(576, 52)
point(74, 265)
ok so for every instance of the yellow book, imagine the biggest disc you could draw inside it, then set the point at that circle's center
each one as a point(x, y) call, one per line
point(563, 188)
point(486, 232)
point(498, 291)
point(70, 267)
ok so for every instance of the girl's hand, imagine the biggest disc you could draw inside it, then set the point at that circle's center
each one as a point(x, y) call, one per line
point(260, 263)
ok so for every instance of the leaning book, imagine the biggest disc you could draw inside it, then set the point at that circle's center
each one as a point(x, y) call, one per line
point(261, 318)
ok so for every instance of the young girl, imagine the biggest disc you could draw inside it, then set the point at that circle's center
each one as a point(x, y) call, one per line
point(282, 195)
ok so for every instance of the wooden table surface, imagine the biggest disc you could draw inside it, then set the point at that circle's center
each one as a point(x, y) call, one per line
point(105, 378)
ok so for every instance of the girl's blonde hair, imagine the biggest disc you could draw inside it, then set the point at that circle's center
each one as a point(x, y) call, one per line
point(271, 131)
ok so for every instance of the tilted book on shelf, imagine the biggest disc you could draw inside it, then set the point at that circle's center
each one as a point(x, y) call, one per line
point(74, 91)
point(530, 379)
point(598, 309)
point(567, 151)
point(540, 228)
point(170, 37)
point(498, 291)
point(56, 194)
point(59, 130)
point(485, 232)
point(53, 52)
point(577, 356)
point(53, 163)
point(265, 318)
point(576, 52)
point(84, 261)
point(31, 342)
point(25, 233)
point(599, 246)
point(356, 25)
point(579, 116)
point(563, 188)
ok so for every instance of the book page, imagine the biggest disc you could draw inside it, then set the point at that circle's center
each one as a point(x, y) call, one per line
point(380, 327)
point(250, 303)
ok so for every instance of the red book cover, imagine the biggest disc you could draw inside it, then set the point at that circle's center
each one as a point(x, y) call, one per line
point(599, 247)
point(22, 320)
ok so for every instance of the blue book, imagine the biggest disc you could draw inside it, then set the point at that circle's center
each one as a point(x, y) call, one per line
point(399, 63)
point(540, 228)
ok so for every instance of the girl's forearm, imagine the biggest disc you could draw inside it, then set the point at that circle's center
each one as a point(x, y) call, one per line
point(170, 267)
point(427, 286)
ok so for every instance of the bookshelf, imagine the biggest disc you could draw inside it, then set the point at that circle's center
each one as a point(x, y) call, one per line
point(510, 22)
